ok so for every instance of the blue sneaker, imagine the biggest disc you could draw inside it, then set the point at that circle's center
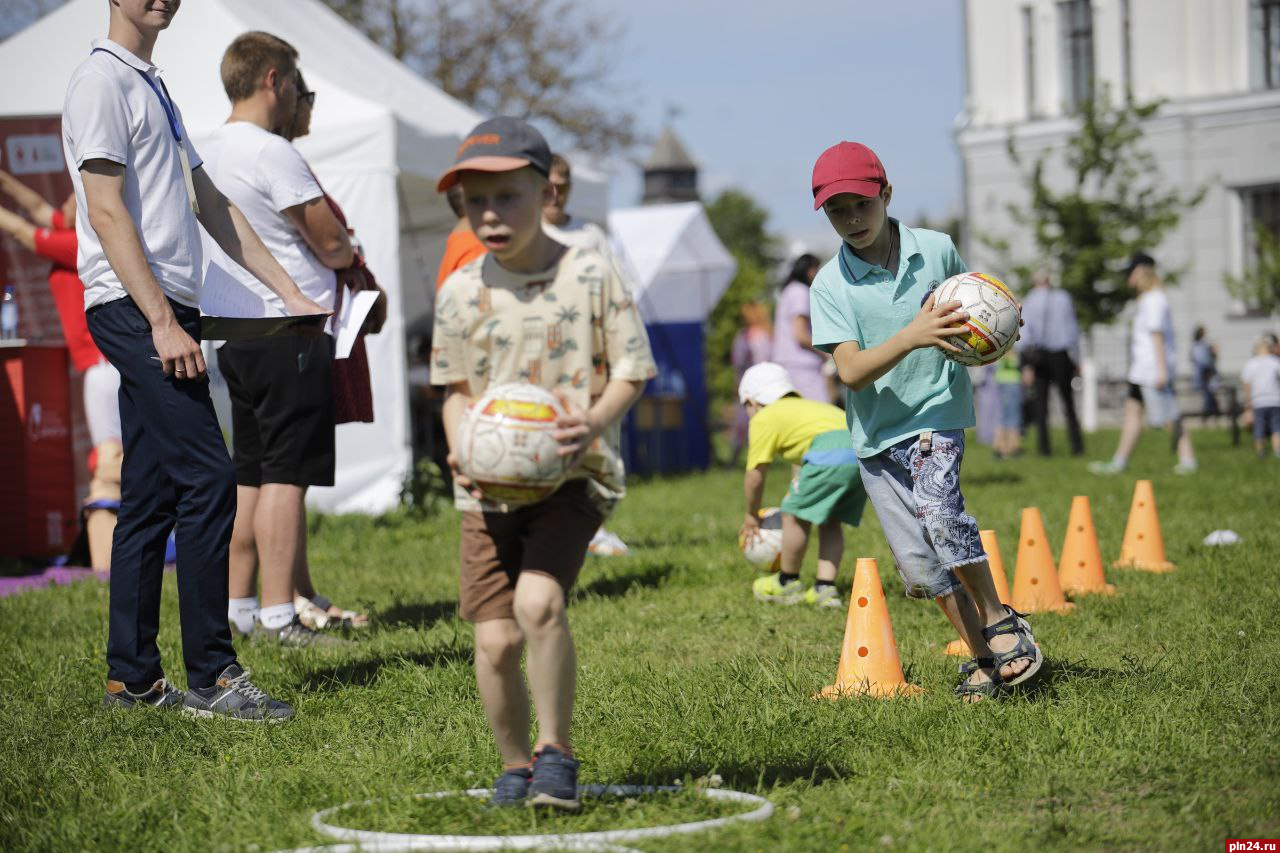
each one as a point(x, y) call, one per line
point(555, 780)
point(235, 697)
point(511, 788)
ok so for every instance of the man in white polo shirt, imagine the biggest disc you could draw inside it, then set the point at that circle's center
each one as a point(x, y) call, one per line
point(139, 183)
point(282, 407)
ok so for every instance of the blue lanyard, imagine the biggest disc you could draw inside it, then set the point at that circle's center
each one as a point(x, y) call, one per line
point(166, 101)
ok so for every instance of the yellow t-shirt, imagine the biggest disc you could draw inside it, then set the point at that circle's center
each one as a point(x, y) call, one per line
point(787, 427)
point(572, 329)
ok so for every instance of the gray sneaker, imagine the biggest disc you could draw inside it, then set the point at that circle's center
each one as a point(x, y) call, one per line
point(296, 635)
point(236, 697)
point(161, 695)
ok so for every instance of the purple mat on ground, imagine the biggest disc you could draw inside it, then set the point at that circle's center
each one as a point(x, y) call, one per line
point(51, 575)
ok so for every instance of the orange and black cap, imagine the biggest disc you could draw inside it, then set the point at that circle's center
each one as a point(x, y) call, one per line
point(499, 145)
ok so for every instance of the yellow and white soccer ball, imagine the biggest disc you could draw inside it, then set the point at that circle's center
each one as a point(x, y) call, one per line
point(764, 551)
point(993, 321)
point(506, 444)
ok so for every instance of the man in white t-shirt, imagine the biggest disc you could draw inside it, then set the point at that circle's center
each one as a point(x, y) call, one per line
point(1152, 355)
point(282, 408)
point(1261, 380)
point(580, 234)
point(140, 187)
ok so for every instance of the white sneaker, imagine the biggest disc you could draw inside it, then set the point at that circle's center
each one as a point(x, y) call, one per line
point(1105, 468)
point(606, 544)
point(1186, 467)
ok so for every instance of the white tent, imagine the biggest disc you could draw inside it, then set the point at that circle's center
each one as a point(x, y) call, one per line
point(380, 135)
point(678, 265)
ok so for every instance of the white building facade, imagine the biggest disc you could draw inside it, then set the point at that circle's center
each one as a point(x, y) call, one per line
point(1216, 63)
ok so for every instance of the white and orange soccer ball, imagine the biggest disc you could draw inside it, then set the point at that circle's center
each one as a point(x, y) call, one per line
point(764, 551)
point(507, 447)
point(993, 321)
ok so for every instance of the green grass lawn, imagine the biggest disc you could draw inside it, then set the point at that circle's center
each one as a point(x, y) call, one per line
point(1155, 725)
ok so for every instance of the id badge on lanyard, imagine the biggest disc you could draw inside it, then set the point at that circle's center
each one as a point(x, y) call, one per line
point(171, 114)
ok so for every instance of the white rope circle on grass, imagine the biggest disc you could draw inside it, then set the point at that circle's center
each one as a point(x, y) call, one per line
point(600, 840)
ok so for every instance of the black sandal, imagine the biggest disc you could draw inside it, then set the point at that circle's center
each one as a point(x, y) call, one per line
point(970, 692)
point(1026, 646)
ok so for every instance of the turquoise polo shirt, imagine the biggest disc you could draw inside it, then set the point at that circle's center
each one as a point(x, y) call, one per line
point(852, 300)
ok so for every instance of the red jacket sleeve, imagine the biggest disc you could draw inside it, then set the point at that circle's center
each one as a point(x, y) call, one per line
point(57, 246)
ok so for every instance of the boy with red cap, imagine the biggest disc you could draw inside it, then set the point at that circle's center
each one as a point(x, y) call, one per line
point(532, 310)
point(907, 407)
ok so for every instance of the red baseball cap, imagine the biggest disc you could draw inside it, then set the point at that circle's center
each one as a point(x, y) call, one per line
point(847, 167)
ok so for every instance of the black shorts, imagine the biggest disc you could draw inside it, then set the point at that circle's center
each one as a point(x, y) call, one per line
point(282, 414)
point(1135, 392)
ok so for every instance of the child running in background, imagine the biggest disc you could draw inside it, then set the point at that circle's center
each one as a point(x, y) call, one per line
point(908, 406)
point(511, 317)
point(826, 491)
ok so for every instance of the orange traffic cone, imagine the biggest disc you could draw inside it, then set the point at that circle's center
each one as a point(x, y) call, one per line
point(1035, 580)
point(1080, 569)
point(869, 663)
point(1143, 546)
point(959, 648)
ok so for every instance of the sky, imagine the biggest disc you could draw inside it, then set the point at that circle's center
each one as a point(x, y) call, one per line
point(763, 88)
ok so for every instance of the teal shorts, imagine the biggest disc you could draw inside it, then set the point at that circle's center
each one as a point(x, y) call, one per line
point(829, 485)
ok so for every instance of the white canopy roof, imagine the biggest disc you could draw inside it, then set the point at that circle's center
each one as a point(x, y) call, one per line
point(380, 135)
point(679, 267)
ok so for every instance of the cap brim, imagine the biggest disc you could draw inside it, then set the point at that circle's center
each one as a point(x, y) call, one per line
point(479, 164)
point(870, 189)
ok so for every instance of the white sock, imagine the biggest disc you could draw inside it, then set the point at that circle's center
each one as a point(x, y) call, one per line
point(277, 616)
point(243, 612)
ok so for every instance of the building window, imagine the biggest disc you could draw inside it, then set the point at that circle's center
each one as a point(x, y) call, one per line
point(1266, 43)
point(1029, 59)
point(1076, 23)
point(1261, 207)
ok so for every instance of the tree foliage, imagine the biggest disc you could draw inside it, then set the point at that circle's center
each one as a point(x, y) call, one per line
point(740, 223)
point(1113, 204)
point(1259, 287)
point(546, 60)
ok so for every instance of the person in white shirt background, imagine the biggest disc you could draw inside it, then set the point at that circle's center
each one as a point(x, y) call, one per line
point(282, 404)
point(578, 233)
point(1261, 379)
point(1152, 355)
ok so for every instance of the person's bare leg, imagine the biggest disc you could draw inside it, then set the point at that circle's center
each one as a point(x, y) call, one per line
point(499, 643)
point(1130, 432)
point(795, 540)
point(552, 663)
point(1186, 453)
point(830, 549)
point(1275, 443)
point(302, 584)
point(976, 578)
point(242, 563)
point(276, 521)
point(960, 610)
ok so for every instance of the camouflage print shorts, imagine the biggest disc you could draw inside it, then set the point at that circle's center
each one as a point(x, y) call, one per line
point(916, 493)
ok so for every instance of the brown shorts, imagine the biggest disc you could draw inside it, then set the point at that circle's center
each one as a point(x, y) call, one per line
point(549, 538)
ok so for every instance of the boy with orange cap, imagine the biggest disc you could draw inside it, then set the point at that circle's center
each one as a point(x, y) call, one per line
point(532, 310)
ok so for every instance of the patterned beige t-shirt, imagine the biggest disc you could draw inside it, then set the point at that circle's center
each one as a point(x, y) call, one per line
point(570, 328)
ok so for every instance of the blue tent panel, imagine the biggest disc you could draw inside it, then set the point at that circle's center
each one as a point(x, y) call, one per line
point(666, 431)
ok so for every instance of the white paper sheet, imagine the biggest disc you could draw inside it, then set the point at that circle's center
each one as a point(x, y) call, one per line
point(224, 295)
point(355, 307)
